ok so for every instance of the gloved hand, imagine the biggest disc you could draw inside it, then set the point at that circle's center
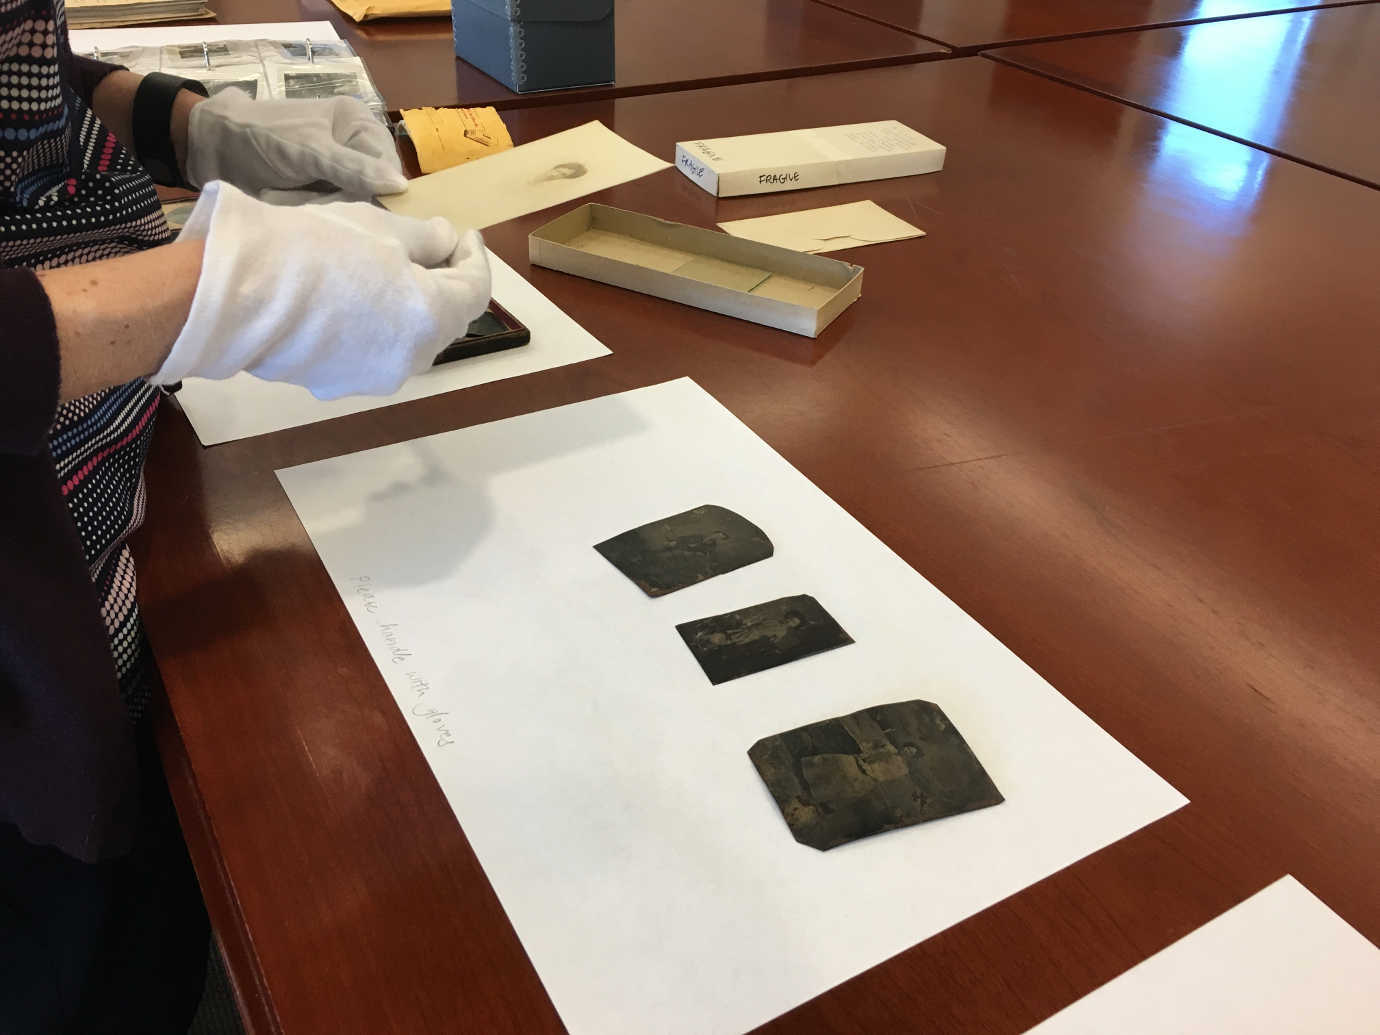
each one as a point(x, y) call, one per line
point(283, 144)
point(337, 298)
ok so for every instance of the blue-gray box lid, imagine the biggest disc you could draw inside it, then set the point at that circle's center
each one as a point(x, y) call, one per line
point(548, 10)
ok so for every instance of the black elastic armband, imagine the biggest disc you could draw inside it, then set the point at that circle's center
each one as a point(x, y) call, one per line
point(152, 117)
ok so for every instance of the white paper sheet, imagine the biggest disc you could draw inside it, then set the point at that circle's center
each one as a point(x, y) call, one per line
point(825, 229)
point(605, 784)
point(83, 40)
point(530, 177)
point(242, 406)
point(1279, 962)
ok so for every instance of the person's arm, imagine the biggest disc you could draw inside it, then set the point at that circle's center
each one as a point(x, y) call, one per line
point(117, 319)
point(84, 74)
point(255, 145)
point(113, 102)
point(339, 298)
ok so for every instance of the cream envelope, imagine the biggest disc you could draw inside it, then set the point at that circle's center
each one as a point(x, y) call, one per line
point(826, 229)
point(546, 172)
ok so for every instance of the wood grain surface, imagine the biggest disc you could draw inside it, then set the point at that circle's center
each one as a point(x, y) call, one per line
point(1120, 405)
point(660, 46)
point(1305, 86)
point(971, 25)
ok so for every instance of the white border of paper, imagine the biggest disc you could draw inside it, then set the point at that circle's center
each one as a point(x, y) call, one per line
point(83, 40)
point(243, 406)
point(1280, 962)
point(604, 783)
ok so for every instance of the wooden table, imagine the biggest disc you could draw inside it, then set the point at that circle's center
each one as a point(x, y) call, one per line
point(972, 25)
point(1124, 417)
point(1305, 85)
point(660, 46)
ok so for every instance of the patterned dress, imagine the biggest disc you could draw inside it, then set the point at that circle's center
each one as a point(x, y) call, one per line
point(70, 194)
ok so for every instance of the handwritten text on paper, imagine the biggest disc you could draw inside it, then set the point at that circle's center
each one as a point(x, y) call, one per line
point(435, 720)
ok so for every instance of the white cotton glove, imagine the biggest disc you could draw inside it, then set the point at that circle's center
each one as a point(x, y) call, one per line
point(342, 298)
point(257, 145)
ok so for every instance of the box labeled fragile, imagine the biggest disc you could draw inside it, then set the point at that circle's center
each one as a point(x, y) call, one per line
point(795, 159)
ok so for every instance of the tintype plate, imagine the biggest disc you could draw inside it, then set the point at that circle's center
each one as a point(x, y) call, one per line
point(681, 550)
point(879, 769)
point(761, 637)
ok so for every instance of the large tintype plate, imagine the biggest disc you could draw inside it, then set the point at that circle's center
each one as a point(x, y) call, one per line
point(879, 769)
point(672, 553)
point(760, 637)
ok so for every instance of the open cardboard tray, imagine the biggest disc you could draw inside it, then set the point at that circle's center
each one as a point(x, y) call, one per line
point(775, 286)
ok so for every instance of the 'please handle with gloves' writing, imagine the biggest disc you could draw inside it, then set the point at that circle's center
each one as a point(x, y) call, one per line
point(343, 298)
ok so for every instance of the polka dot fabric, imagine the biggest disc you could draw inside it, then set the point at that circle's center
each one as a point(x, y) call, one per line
point(69, 194)
point(99, 443)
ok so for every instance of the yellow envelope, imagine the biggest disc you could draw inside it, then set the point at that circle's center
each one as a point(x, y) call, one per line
point(446, 137)
point(372, 10)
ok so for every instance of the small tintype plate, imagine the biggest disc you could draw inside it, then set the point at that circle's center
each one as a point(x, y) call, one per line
point(681, 550)
point(879, 769)
point(761, 637)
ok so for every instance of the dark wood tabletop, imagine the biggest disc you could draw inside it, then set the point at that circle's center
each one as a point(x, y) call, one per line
point(1120, 405)
point(971, 25)
point(1305, 85)
point(660, 46)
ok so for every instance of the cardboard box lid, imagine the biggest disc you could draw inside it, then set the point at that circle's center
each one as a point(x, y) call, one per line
point(547, 10)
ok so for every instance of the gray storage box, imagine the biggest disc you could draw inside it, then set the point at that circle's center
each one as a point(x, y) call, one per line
point(537, 44)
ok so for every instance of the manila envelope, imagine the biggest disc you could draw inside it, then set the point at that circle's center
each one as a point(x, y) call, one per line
point(825, 229)
point(446, 137)
point(373, 10)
